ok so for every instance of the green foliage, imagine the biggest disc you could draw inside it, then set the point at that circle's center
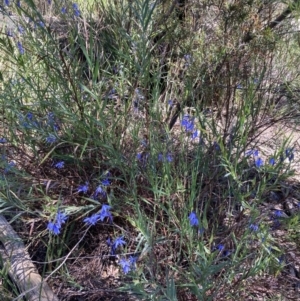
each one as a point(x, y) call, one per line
point(166, 104)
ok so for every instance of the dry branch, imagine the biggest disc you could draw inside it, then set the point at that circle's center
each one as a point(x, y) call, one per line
point(20, 267)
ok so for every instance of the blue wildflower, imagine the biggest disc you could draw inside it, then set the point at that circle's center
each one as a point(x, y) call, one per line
point(220, 247)
point(18, 3)
point(108, 241)
point(252, 152)
point(9, 33)
point(125, 264)
point(193, 219)
point(21, 29)
point(63, 10)
point(3, 140)
point(41, 24)
point(92, 220)
point(195, 134)
point(105, 182)
point(20, 47)
point(54, 228)
point(133, 260)
point(188, 123)
point(51, 139)
point(169, 157)
point(104, 212)
point(76, 10)
point(188, 60)
point(289, 154)
point(259, 162)
point(7, 2)
point(272, 161)
point(61, 217)
point(60, 164)
point(119, 241)
point(160, 157)
point(170, 102)
point(99, 190)
point(278, 213)
point(83, 188)
point(105, 208)
point(216, 146)
point(253, 227)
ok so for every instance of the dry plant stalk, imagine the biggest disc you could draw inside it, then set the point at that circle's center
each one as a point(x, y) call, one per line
point(20, 267)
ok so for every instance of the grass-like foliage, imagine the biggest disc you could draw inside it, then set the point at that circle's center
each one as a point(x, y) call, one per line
point(134, 125)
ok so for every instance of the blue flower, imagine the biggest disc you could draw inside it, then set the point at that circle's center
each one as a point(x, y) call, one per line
point(216, 146)
point(220, 247)
point(193, 219)
point(119, 241)
point(21, 29)
point(83, 188)
point(253, 227)
point(61, 218)
point(60, 164)
point(195, 134)
point(76, 10)
point(105, 208)
point(20, 47)
point(19, 3)
point(133, 260)
point(63, 10)
point(108, 241)
point(9, 33)
point(272, 161)
point(160, 157)
point(54, 228)
point(3, 140)
point(7, 2)
point(92, 220)
point(188, 123)
point(104, 212)
point(41, 24)
point(259, 162)
point(170, 102)
point(105, 182)
point(289, 154)
point(125, 264)
point(278, 213)
point(99, 190)
point(252, 152)
point(169, 157)
point(51, 139)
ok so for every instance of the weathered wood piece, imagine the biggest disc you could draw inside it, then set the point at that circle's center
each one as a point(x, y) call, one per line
point(20, 267)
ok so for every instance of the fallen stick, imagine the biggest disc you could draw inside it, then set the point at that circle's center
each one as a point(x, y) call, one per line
point(20, 267)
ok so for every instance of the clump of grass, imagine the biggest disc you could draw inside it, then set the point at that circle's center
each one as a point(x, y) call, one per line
point(108, 125)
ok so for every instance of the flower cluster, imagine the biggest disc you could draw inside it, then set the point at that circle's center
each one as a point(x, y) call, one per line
point(55, 226)
point(100, 190)
point(258, 161)
point(100, 216)
point(188, 123)
point(76, 10)
point(128, 264)
point(194, 222)
point(168, 157)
